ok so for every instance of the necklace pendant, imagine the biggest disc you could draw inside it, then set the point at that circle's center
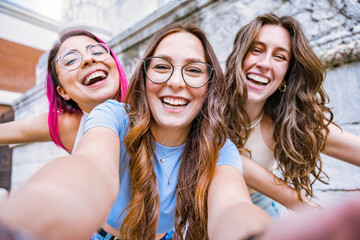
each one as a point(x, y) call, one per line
point(162, 160)
point(169, 181)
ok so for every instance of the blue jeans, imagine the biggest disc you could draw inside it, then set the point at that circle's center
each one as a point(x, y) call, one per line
point(269, 205)
point(97, 236)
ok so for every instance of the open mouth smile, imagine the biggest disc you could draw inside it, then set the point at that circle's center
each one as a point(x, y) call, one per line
point(174, 103)
point(257, 80)
point(95, 77)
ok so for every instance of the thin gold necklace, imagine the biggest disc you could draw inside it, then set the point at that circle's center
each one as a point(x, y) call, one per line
point(162, 160)
point(257, 121)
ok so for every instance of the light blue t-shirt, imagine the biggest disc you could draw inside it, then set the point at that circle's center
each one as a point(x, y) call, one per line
point(112, 115)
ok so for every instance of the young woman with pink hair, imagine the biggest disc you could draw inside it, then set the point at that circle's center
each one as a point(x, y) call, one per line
point(82, 72)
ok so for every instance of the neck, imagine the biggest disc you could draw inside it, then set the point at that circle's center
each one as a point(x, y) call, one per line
point(170, 138)
point(87, 108)
point(254, 110)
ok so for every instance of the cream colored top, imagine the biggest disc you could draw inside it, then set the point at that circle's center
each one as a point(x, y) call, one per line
point(80, 130)
point(260, 152)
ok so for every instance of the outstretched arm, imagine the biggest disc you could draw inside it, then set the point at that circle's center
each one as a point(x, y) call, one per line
point(265, 182)
point(23, 131)
point(36, 129)
point(231, 214)
point(70, 197)
point(343, 145)
point(337, 222)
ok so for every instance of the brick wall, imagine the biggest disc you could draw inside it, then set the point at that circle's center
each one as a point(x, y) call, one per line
point(4, 108)
point(18, 62)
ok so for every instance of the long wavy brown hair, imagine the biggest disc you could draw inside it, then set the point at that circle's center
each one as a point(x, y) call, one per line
point(198, 161)
point(299, 114)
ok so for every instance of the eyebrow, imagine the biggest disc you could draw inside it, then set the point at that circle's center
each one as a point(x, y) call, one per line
point(279, 48)
point(187, 60)
point(77, 50)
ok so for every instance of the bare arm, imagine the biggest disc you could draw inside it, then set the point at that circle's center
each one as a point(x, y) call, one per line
point(23, 131)
point(231, 212)
point(337, 222)
point(70, 197)
point(265, 182)
point(36, 129)
point(343, 145)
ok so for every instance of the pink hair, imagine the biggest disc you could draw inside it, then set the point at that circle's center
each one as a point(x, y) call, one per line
point(56, 103)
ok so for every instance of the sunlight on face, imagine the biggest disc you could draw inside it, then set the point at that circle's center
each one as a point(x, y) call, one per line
point(93, 82)
point(173, 104)
point(266, 63)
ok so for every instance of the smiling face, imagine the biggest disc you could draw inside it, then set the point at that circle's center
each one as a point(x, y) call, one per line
point(266, 63)
point(93, 82)
point(173, 104)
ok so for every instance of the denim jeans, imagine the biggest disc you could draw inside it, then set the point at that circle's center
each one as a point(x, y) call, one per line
point(97, 236)
point(266, 203)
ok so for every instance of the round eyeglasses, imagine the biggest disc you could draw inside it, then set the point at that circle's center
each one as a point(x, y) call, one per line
point(72, 59)
point(195, 74)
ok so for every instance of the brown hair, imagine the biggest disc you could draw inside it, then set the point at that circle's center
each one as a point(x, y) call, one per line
point(198, 161)
point(299, 114)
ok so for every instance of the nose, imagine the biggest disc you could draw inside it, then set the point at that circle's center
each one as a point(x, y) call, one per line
point(176, 80)
point(86, 58)
point(264, 62)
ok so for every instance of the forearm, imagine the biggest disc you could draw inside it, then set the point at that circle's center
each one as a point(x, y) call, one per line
point(337, 222)
point(238, 222)
point(23, 131)
point(265, 182)
point(343, 145)
point(282, 193)
point(62, 201)
point(231, 215)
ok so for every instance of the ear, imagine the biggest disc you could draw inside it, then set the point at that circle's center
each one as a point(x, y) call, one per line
point(63, 93)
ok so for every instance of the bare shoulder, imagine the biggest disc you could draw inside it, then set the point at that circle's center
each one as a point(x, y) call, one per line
point(267, 130)
point(69, 119)
point(68, 128)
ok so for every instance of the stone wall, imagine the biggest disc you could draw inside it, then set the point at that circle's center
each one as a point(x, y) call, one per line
point(332, 26)
point(28, 158)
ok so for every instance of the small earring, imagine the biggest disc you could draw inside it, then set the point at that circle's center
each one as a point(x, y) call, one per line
point(67, 98)
point(282, 87)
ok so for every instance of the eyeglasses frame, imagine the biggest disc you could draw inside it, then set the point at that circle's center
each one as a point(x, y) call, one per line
point(182, 74)
point(77, 51)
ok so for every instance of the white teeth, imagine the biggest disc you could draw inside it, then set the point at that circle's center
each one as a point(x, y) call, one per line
point(174, 107)
point(94, 75)
point(174, 102)
point(254, 84)
point(257, 78)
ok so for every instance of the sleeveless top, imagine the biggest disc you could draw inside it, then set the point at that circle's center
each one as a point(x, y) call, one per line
point(260, 152)
point(80, 130)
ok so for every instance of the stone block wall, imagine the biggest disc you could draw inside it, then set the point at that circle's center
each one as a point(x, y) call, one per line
point(29, 158)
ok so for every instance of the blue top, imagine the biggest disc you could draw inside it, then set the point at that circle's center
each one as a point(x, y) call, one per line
point(112, 115)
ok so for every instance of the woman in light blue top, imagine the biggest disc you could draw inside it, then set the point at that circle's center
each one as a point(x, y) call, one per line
point(171, 138)
point(176, 169)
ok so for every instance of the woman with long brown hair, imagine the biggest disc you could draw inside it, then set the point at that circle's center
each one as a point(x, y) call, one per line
point(177, 169)
point(276, 109)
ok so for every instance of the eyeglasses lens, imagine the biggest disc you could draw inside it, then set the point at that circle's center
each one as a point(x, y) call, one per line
point(195, 74)
point(72, 59)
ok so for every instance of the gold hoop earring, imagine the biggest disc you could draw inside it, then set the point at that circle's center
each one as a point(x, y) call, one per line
point(282, 87)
